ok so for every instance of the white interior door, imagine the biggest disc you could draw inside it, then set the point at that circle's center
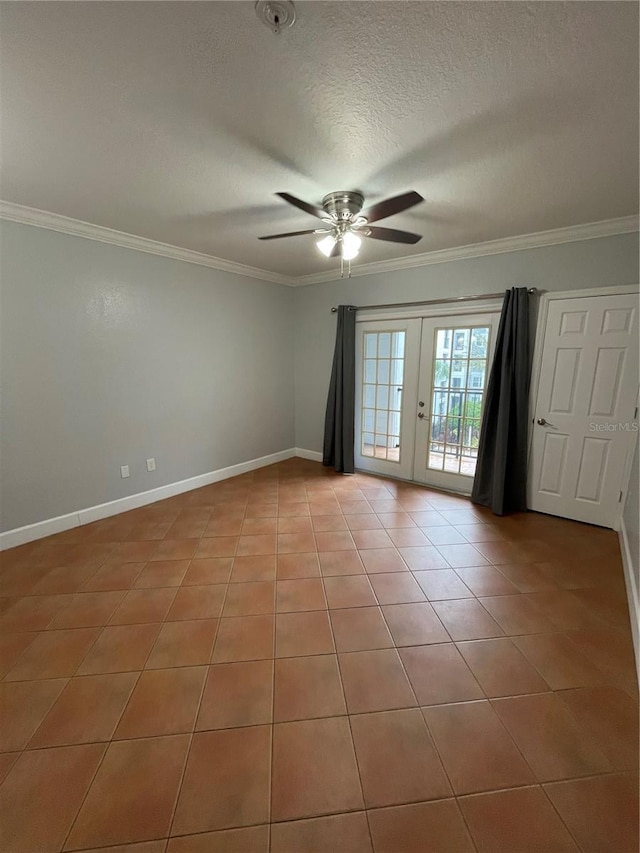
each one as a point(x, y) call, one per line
point(386, 383)
point(584, 418)
point(455, 358)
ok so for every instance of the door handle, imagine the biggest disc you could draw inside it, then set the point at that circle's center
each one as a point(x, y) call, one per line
point(421, 415)
point(541, 421)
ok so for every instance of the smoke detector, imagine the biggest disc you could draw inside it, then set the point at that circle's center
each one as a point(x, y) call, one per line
point(278, 15)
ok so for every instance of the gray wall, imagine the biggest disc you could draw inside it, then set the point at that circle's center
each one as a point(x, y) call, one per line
point(631, 517)
point(569, 266)
point(111, 356)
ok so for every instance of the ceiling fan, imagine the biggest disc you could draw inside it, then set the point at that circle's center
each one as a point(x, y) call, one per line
point(346, 225)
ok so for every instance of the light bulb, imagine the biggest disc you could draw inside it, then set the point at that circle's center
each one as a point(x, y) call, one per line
point(350, 245)
point(326, 245)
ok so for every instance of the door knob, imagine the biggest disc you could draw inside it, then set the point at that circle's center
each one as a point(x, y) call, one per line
point(541, 421)
point(421, 415)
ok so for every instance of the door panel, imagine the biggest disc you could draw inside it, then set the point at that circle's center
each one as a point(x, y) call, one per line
point(584, 419)
point(565, 371)
point(386, 379)
point(605, 394)
point(553, 462)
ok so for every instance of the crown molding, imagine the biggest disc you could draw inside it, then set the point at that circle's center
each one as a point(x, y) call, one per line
point(570, 234)
point(78, 228)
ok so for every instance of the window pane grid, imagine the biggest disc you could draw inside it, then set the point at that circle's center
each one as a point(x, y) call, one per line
point(459, 379)
point(383, 371)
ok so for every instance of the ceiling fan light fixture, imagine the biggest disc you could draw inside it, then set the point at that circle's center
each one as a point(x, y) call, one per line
point(350, 245)
point(327, 244)
point(346, 225)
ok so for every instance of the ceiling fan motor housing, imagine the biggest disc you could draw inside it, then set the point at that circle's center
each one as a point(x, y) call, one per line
point(343, 205)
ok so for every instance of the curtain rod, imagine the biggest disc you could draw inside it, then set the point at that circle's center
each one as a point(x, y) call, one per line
point(431, 301)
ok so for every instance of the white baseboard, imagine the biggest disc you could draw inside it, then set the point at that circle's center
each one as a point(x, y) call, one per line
point(31, 532)
point(633, 593)
point(22, 535)
point(313, 455)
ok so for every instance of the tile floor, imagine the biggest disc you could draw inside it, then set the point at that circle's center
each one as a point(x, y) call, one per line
point(298, 662)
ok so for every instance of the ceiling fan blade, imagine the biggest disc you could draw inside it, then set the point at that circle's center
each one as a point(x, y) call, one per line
point(303, 205)
point(392, 235)
point(289, 234)
point(392, 205)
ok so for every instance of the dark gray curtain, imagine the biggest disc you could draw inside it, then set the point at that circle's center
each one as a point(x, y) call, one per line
point(501, 473)
point(339, 419)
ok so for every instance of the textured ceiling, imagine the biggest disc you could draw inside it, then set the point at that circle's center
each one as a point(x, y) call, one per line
point(178, 121)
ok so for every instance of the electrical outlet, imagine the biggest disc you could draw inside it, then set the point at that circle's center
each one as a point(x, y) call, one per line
point(124, 471)
point(151, 464)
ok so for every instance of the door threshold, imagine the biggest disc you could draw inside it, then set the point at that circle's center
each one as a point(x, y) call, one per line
point(414, 483)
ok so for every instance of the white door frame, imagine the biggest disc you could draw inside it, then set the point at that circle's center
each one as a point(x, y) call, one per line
point(541, 325)
point(488, 306)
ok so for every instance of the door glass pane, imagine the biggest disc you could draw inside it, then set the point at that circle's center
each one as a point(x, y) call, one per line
point(459, 374)
point(368, 426)
point(454, 403)
point(370, 346)
point(382, 401)
point(441, 373)
point(479, 342)
point(369, 396)
point(440, 399)
point(397, 349)
point(383, 369)
point(384, 345)
point(443, 343)
point(461, 342)
point(459, 382)
point(476, 378)
point(370, 370)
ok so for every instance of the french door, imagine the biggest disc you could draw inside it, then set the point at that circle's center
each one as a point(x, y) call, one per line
point(420, 386)
point(387, 354)
point(455, 360)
